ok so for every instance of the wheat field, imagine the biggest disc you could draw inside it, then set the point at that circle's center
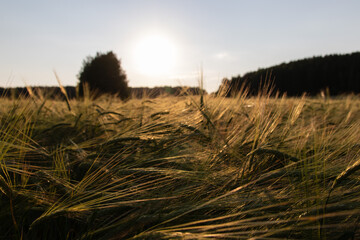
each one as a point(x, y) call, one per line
point(192, 167)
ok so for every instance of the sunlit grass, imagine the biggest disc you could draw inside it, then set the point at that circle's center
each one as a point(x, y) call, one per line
point(196, 167)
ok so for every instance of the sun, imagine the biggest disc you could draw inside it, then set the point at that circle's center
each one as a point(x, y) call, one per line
point(155, 55)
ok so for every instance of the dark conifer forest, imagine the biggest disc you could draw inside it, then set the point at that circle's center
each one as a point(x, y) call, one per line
point(334, 74)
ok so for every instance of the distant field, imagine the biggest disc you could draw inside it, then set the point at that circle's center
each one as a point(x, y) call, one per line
point(180, 168)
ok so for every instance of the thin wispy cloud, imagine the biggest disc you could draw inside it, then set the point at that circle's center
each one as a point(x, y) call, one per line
point(222, 55)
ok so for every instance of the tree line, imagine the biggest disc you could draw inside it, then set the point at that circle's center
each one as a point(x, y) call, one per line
point(102, 74)
point(336, 74)
point(73, 92)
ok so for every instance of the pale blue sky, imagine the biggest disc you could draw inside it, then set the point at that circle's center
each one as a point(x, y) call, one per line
point(226, 37)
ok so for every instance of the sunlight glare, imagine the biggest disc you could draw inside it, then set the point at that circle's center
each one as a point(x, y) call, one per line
point(155, 55)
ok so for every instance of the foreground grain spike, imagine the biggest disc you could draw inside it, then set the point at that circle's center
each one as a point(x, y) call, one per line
point(63, 91)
